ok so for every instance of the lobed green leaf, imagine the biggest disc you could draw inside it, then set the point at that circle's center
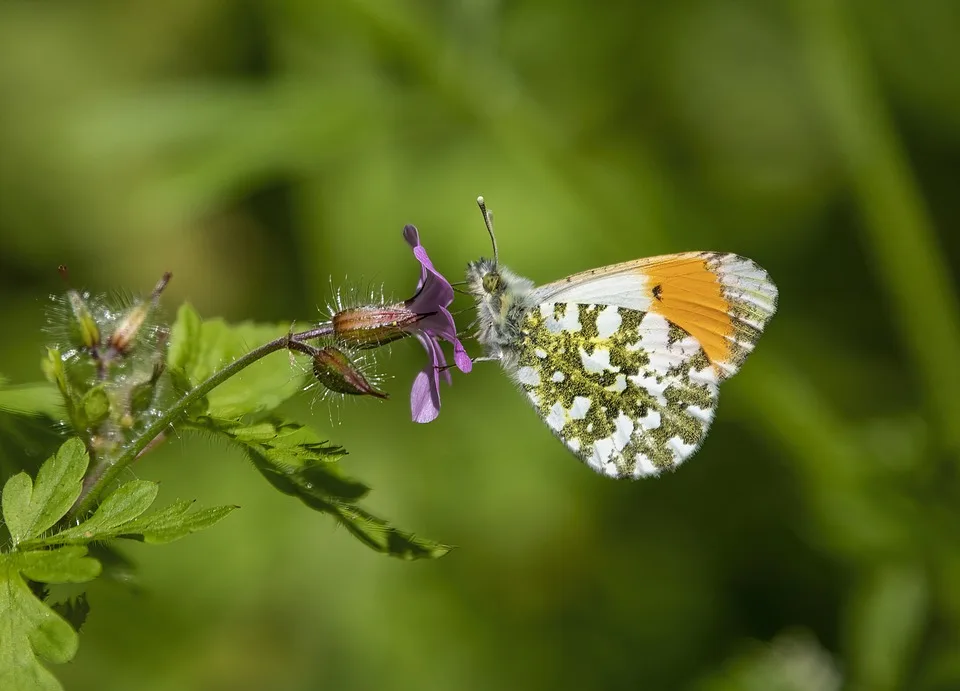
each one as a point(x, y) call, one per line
point(121, 515)
point(30, 631)
point(31, 508)
point(123, 505)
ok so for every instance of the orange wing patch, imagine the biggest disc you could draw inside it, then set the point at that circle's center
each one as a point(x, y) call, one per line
point(722, 300)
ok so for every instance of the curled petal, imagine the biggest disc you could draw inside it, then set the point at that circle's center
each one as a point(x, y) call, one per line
point(434, 294)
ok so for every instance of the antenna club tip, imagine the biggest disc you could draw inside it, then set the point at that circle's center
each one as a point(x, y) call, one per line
point(480, 201)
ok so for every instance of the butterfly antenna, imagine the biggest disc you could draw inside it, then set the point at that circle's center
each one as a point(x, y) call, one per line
point(488, 221)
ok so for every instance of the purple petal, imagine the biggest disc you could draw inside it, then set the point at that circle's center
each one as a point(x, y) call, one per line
point(434, 294)
point(424, 397)
point(437, 359)
point(425, 394)
point(439, 324)
point(412, 236)
point(460, 357)
point(432, 289)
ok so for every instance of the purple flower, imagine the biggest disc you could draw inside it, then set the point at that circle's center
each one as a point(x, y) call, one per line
point(434, 294)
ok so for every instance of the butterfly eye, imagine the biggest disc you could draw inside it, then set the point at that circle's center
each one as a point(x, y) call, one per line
point(491, 282)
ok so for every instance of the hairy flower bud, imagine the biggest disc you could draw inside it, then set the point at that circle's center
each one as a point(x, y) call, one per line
point(335, 371)
point(371, 326)
point(85, 325)
point(125, 333)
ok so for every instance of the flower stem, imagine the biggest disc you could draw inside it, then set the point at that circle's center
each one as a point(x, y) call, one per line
point(105, 472)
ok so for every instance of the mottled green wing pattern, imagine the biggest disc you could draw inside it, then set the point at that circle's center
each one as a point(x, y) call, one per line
point(627, 391)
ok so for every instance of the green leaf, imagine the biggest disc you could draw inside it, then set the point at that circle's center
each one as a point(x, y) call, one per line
point(298, 463)
point(121, 516)
point(200, 348)
point(62, 565)
point(39, 398)
point(173, 523)
point(293, 458)
point(123, 505)
point(30, 631)
point(31, 508)
point(383, 537)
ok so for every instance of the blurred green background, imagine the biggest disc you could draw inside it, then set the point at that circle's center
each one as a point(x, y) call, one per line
point(256, 148)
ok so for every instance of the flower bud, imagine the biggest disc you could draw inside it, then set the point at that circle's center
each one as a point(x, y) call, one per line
point(85, 325)
point(95, 405)
point(371, 326)
point(335, 371)
point(125, 334)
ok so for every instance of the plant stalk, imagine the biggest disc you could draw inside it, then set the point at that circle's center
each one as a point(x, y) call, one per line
point(104, 472)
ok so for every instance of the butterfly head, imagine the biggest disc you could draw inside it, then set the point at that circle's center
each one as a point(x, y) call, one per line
point(484, 278)
point(501, 298)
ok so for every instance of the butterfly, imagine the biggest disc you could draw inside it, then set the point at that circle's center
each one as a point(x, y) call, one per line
point(623, 362)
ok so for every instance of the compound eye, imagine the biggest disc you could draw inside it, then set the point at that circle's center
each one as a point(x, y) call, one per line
point(491, 282)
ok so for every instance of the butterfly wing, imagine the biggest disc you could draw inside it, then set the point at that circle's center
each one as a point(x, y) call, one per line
point(623, 362)
point(722, 300)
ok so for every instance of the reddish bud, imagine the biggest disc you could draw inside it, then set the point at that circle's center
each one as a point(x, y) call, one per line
point(335, 371)
point(373, 326)
point(125, 334)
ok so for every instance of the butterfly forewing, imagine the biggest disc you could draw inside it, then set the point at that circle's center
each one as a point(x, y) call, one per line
point(722, 300)
point(626, 390)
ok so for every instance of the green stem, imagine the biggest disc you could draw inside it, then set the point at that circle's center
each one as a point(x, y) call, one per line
point(107, 472)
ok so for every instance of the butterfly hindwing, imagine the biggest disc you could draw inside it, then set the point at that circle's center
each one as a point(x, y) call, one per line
point(628, 391)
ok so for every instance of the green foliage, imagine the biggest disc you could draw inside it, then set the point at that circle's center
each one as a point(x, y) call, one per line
point(27, 426)
point(119, 516)
point(29, 399)
point(292, 457)
point(41, 554)
point(31, 508)
point(31, 630)
point(199, 348)
point(297, 462)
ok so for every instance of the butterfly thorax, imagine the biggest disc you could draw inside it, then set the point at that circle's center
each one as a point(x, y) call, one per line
point(502, 303)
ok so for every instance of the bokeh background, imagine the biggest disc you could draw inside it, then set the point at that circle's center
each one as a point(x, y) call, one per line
point(257, 148)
